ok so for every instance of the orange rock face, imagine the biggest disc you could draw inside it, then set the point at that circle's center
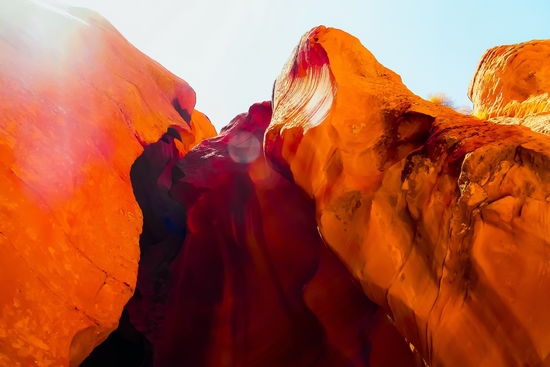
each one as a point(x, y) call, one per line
point(443, 218)
point(77, 105)
point(512, 85)
point(248, 240)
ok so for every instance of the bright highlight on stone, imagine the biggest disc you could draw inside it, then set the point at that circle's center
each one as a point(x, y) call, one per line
point(347, 222)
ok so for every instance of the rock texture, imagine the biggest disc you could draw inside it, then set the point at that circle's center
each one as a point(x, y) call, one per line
point(442, 217)
point(77, 105)
point(252, 284)
point(346, 223)
point(512, 85)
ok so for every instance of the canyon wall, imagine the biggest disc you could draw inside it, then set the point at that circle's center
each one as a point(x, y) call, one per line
point(346, 222)
point(78, 104)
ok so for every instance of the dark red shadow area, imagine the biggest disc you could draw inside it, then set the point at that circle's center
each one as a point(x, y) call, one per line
point(233, 270)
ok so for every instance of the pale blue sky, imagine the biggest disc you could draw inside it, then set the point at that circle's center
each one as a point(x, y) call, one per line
point(231, 51)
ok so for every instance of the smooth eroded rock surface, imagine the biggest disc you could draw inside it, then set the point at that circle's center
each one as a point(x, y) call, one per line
point(443, 218)
point(77, 105)
point(346, 223)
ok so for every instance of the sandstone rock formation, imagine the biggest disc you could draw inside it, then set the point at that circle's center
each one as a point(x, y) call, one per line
point(78, 104)
point(346, 223)
point(442, 217)
point(233, 292)
point(512, 85)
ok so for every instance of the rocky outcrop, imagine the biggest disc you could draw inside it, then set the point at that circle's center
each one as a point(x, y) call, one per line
point(347, 222)
point(442, 217)
point(252, 284)
point(512, 85)
point(78, 104)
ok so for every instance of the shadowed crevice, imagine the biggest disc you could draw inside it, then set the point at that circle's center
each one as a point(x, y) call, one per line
point(161, 239)
point(185, 115)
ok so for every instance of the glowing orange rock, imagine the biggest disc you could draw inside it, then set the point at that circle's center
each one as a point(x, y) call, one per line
point(443, 218)
point(77, 105)
point(512, 85)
